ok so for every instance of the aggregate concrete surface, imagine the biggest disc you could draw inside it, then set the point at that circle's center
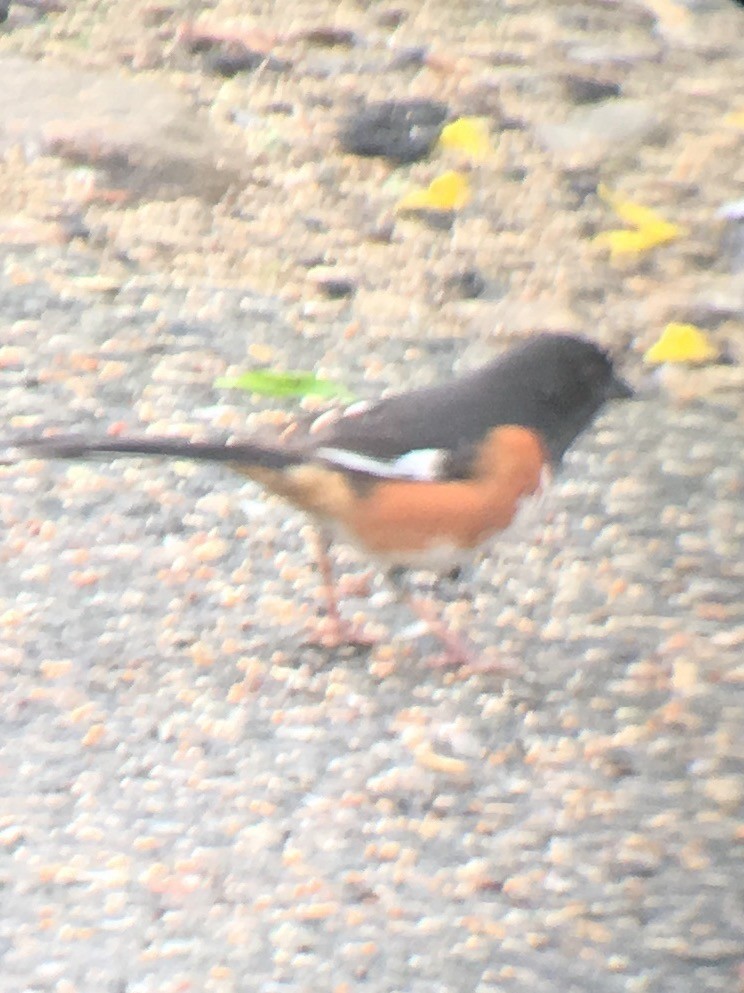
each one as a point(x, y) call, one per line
point(191, 798)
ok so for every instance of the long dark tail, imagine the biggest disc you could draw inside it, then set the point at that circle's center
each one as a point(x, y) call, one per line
point(244, 454)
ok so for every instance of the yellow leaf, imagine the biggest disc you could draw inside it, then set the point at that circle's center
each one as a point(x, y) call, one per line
point(650, 229)
point(468, 135)
point(450, 191)
point(635, 215)
point(681, 343)
point(624, 242)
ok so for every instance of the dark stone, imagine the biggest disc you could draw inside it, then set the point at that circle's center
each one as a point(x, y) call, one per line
point(586, 89)
point(413, 56)
point(581, 184)
point(228, 60)
point(337, 287)
point(468, 284)
point(392, 18)
point(73, 225)
point(401, 130)
point(330, 37)
point(280, 107)
point(437, 220)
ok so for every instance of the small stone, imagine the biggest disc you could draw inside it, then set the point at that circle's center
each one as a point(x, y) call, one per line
point(329, 37)
point(333, 283)
point(392, 17)
point(231, 58)
point(94, 735)
point(468, 284)
point(413, 55)
point(588, 89)
point(612, 128)
point(726, 791)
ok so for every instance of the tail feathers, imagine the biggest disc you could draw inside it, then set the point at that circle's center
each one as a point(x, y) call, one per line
point(244, 454)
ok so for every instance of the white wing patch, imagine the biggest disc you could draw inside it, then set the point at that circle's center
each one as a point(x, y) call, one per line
point(422, 465)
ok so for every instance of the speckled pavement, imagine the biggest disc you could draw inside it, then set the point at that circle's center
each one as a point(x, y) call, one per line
point(193, 800)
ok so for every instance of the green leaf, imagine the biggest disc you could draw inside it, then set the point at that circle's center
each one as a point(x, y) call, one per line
point(271, 383)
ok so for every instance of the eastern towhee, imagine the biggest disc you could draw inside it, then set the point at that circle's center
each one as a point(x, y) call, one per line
point(420, 479)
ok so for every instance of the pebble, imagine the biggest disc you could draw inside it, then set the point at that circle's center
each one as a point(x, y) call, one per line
point(591, 134)
point(589, 89)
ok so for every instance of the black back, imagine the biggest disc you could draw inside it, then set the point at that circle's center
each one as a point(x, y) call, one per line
point(554, 384)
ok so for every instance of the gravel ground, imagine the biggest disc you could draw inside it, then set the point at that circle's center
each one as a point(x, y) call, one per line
point(190, 798)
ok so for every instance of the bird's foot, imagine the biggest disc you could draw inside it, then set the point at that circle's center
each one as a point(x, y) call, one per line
point(457, 652)
point(334, 632)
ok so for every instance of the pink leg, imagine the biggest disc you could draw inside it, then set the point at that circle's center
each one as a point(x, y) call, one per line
point(336, 631)
point(457, 652)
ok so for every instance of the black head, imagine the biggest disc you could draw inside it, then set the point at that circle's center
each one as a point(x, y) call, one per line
point(564, 380)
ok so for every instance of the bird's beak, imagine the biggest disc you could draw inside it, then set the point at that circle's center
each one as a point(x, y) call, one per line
point(618, 389)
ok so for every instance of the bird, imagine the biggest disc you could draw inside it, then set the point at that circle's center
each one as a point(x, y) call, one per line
point(416, 480)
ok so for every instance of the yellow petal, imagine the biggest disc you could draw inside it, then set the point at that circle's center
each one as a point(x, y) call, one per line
point(647, 228)
point(681, 343)
point(635, 215)
point(468, 135)
point(735, 119)
point(450, 191)
point(622, 242)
